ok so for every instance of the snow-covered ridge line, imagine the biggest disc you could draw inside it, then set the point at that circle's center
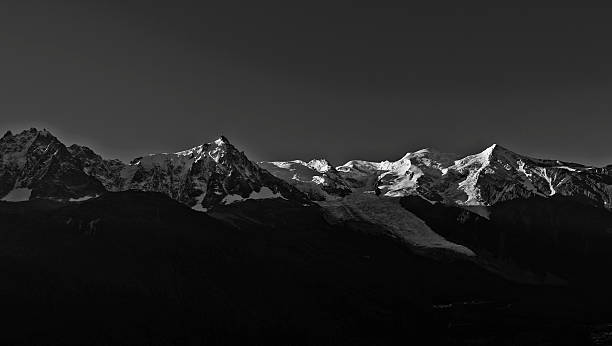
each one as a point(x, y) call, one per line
point(317, 178)
point(494, 175)
point(482, 179)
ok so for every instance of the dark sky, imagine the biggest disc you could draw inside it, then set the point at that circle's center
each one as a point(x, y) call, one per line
point(343, 82)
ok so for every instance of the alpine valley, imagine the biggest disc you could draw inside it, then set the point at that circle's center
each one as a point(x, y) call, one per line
point(205, 246)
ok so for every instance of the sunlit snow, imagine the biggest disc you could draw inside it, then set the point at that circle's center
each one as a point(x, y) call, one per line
point(81, 199)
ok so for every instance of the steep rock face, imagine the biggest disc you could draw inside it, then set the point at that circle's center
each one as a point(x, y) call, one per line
point(494, 175)
point(108, 172)
point(209, 174)
point(34, 164)
point(317, 178)
point(497, 175)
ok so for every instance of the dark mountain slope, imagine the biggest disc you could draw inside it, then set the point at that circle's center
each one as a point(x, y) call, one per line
point(140, 268)
point(564, 236)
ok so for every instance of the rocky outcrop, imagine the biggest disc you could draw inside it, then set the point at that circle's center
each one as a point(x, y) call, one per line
point(35, 164)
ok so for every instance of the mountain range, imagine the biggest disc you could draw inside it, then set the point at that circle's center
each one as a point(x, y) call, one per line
point(35, 164)
point(407, 242)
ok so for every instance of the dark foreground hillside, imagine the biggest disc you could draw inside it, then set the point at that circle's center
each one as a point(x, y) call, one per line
point(139, 268)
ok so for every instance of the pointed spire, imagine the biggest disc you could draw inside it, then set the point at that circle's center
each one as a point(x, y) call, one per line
point(222, 140)
point(499, 149)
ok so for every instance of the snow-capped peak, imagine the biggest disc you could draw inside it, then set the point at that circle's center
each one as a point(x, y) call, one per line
point(215, 150)
point(205, 175)
point(221, 141)
point(319, 165)
point(480, 159)
point(317, 178)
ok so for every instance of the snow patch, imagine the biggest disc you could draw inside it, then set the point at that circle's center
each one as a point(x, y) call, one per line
point(198, 206)
point(282, 164)
point(549, 180)
point(81, 199)
point(264, 193)
point(219, 141)
point(570, 168)
point(318, 180)
point(18, 195)
point(229, 199)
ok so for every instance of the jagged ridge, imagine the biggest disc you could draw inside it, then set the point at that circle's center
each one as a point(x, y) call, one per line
point(209, 174)
point(36, 164)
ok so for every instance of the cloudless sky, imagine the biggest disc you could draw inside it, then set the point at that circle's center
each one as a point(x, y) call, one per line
point(342, 82)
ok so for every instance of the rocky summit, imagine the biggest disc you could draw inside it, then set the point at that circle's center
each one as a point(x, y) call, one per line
point(35, 164)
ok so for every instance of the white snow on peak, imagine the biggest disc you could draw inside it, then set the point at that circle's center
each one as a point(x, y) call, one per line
point(221, 141)
point(427, 157)
point(317, 178)
point(397, 178)
point(299, 170)
point(182, 160)
point(473, 165)
point(480, 159)
point(319, 165)
point(18, 195)
point(191, 152)
point(491, 148)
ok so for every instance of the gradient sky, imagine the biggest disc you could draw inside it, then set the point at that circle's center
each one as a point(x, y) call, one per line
point(341, 82)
